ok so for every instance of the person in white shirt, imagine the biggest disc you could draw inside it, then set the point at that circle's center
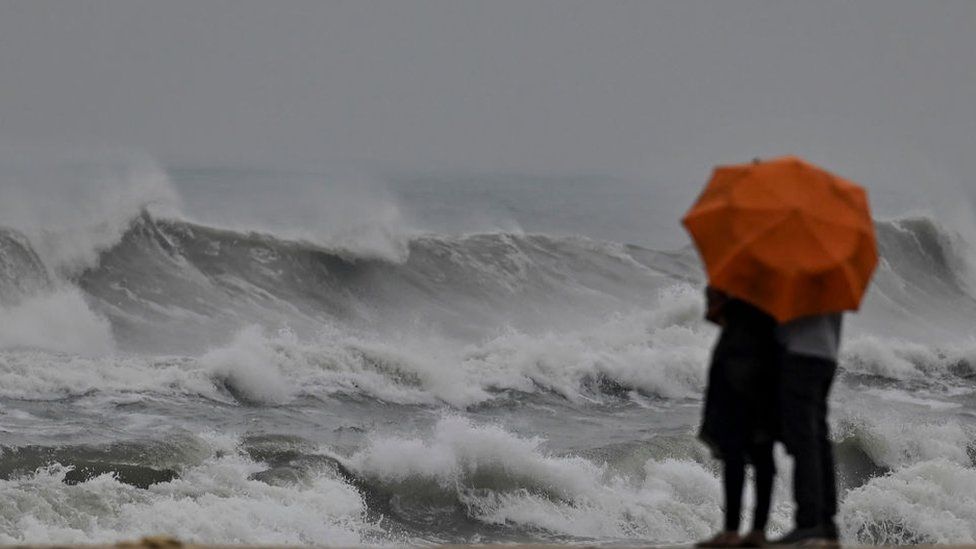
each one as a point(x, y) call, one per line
point(807, 368)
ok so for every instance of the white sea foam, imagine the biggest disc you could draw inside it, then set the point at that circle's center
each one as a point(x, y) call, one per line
point(930, 401)
point(59, 321)
point(73, 206)
point(251, 367)
point(41, 375)
point(52, 346)
point(893, 436)
point(348, 212)
point(661, 352)
point(214, 502)
point(505, 479)
point(933, 501)
point(900, 359)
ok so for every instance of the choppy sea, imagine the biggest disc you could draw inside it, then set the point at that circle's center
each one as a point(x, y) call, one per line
point(246, 356)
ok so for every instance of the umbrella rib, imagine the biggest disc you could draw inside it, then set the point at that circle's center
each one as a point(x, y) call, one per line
point(835, 220)
point(820, 242)
point(819, 237)
point(844, 267)
point(741, 246)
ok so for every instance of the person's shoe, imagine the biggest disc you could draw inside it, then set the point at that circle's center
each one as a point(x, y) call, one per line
point(755, 538)
point(722, 539)
point(817, 536)
point(830, 530)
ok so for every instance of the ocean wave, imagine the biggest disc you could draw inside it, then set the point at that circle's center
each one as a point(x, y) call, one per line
point(131, 322)
point(172, 281)
point(59, 320)
point(893, 435)
point(166, 283)
point(474, 480)
point(72, 207)
point(502, 479)
point(660, 353)
point(657, 353)
point(22, 273)
point(213, 501)
point(900, 359)
point(931, 502)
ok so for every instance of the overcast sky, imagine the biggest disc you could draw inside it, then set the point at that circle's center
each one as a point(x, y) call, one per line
point(880, 89)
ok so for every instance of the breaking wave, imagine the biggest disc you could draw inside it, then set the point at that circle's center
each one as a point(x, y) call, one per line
point(164, 313)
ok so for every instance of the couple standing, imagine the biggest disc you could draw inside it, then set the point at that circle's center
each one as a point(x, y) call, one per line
point(769, 382)
point(787, 247)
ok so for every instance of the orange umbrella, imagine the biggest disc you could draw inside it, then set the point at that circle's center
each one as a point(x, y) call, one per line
point(786, 236)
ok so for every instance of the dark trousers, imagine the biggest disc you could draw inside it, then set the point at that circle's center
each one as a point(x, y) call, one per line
point(804, 386)
point(761, 456)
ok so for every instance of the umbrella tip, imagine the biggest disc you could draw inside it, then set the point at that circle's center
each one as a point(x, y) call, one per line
point(756, 160)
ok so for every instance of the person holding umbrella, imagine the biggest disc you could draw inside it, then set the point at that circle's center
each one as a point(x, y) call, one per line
point(740, 421)
point(797, 243)
point(809, 362)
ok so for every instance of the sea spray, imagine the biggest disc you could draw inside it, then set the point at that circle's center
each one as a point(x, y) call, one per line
point(59, 321)
point(502, 478)
point(213, 502)
point(73, 206)
point(502, 386)
point(931, 502)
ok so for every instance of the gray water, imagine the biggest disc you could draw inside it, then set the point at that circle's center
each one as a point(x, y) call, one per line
point(243, 356)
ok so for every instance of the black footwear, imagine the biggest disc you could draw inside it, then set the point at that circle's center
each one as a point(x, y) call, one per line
point(817, 536)
point(721, 539)
point(830, 530)
point(754, 538)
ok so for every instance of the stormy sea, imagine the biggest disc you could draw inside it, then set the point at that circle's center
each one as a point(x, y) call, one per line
point(247, 356)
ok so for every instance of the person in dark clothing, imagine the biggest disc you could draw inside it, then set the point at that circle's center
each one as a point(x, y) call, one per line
point(740, 420)
point(807, 369)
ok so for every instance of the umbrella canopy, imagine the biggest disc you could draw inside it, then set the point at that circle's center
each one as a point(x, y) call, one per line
point(786, 236)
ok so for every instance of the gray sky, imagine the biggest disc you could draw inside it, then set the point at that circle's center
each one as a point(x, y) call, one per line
point(878, 89)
